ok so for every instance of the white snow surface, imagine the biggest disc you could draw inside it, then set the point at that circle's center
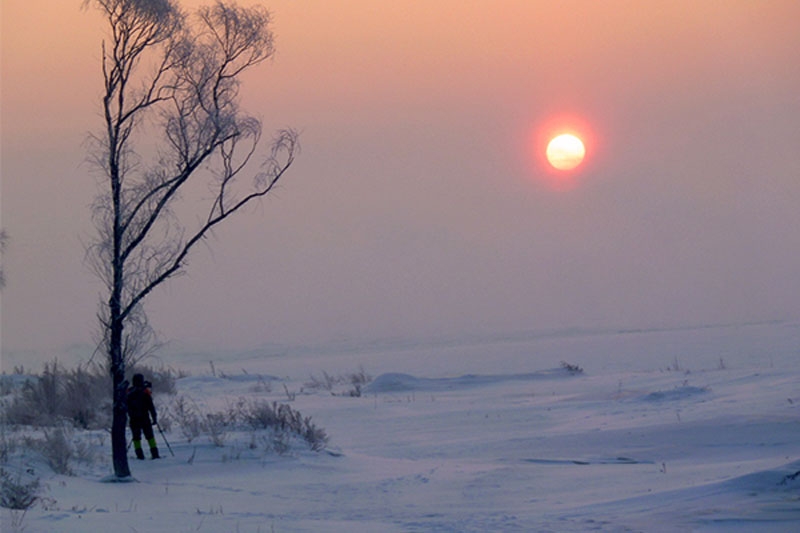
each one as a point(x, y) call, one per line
point(689, 429)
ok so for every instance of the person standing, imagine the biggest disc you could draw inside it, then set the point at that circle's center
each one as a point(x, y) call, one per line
point(140, 412)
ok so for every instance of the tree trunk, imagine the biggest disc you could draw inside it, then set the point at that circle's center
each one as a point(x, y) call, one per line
point(119, 445)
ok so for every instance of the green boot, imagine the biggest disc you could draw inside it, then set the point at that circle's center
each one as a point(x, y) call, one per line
point(137, 447)
point(153, 448)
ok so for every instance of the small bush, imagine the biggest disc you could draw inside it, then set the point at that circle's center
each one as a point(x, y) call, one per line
point(37, 402)
point(355, 381)
point(59, 447)
point(8, 444)
point(86, 397)
point(572, 369)
point(280, 421)
point(58, 451)
point(326, 382)
point(186, 415)
point(279, 443)
point(80, 396)
point(265, 415)
point(17, 494)
point(216, 426)
point(358, 380)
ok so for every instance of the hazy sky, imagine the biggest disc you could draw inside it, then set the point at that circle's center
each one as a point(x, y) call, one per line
point(420, 205)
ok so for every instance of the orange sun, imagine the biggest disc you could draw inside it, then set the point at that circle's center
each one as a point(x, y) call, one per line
point(565, 151)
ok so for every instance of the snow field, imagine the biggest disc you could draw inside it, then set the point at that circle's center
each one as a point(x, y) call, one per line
point(695, 433)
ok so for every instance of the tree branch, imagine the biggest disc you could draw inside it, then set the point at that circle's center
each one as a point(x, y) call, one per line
point(286, 142)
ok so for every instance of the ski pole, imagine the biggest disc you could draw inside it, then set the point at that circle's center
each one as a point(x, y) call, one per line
point(165, 441)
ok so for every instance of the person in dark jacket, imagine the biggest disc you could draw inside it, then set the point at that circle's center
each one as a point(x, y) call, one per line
point(140, 412)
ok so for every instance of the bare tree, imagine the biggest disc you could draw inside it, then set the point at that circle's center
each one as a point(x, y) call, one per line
point(171, 122)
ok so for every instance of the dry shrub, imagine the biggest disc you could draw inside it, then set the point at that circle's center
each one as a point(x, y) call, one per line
point(216, 426)
point(571, 368)
point(17, 494)
point(61, 449)
point(186, 414)
point(57, 449)
point(8, 444)
point(261, 414)
point(279, 420)
point(327, 382)
point(80, 396)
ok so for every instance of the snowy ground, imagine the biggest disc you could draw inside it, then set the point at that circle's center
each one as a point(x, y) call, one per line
point(681, 430)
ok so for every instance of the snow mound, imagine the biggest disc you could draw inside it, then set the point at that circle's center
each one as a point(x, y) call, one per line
point(678, 393)
point(399, 382)
point(763, 500)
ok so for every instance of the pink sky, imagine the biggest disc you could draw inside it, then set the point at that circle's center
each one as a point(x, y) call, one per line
point(419, 206)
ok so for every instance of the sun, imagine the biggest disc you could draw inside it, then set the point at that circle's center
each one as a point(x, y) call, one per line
point(565, 151)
